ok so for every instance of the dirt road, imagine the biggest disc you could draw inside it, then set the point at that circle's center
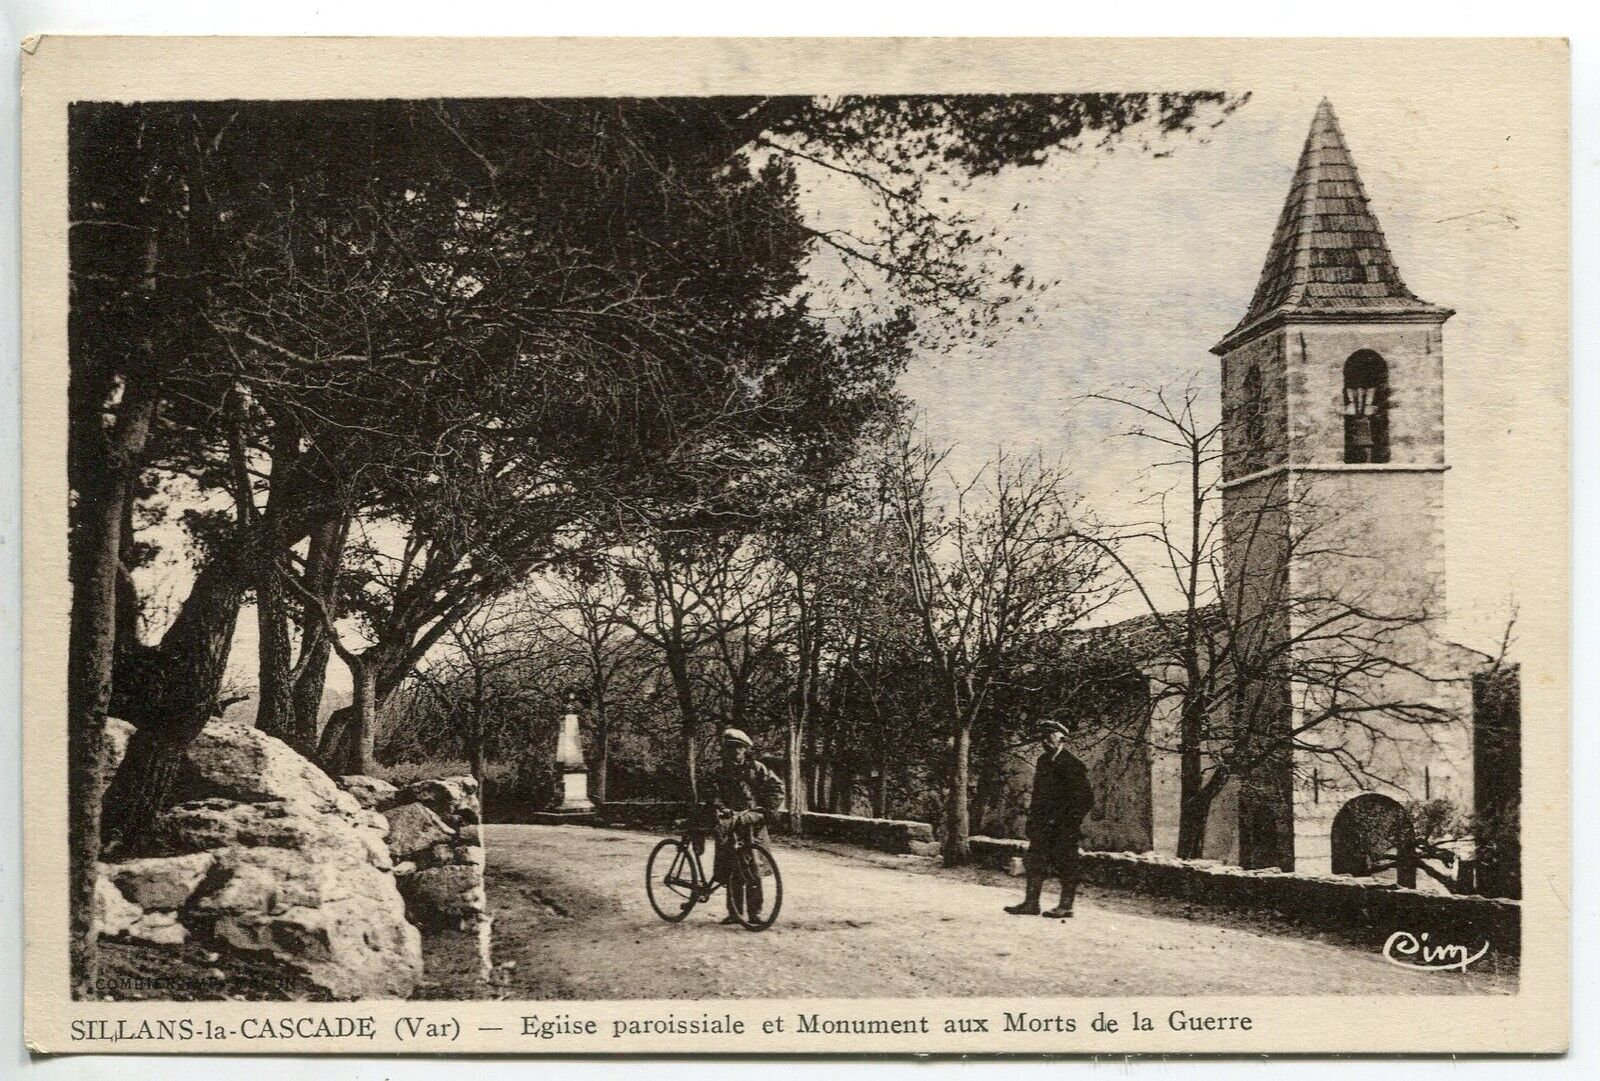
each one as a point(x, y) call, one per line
point(572, 921)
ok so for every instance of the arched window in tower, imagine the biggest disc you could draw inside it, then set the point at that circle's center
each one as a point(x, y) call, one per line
point(1254, 417)
point(1366, 408)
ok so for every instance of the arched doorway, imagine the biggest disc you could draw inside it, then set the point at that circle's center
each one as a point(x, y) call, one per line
point(1373, 833)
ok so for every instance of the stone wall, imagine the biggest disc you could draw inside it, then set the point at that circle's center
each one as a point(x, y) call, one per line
point(1414, 356)
point(883, 834)
point(1371, 909)
point(434, 837)
point(1268, 357)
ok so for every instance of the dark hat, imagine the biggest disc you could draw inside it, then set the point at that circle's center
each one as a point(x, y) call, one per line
point(1045, 724)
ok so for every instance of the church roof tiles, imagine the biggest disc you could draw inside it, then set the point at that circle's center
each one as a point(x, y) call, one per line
point(1328, 253)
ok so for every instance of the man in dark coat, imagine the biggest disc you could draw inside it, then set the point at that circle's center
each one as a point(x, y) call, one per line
point(1062, 797)
point(755, 795)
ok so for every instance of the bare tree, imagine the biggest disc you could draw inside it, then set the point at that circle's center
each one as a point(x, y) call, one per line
point(664, 607)
point(813, 559)
point(586, 628)
point(990, 564)
point(480, 685)
point(1261, 666)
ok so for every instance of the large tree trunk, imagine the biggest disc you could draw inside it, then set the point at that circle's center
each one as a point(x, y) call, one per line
point(807, 719)
point(347, 743)
point(824, 772)
point(1194, 807)
point(95, 543)
point(179, 696)
point(691, 764)
point(105, 467)
point(102, 464)
point(602, 747)
point(989, 799)
point(1194, 814)
point(323, 557)
point(957, 837)
point(310, 680)
point(259, 531)
point(688, 720)
point(811, 739)
point(475, 753)
point(794, 745)
point(275, 713)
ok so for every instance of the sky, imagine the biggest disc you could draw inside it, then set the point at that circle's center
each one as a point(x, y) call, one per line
point(1157, 258)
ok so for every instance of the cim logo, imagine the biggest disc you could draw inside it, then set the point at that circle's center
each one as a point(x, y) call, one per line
point(1413, 951)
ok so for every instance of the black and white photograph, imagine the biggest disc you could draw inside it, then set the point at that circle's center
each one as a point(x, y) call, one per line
point(700, 549)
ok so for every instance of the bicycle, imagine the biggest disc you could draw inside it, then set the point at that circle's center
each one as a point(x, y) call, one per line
point(675, 879)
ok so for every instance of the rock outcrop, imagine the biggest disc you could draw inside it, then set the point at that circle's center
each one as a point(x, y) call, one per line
point(265, 855)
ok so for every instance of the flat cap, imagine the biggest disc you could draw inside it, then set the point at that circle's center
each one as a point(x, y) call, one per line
point(733, 735)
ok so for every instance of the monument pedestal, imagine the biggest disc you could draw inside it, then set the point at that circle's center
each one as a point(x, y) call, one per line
point(575, 804)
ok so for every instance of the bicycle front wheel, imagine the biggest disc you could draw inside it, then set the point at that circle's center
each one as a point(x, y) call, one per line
point(672, 880)
point(756, 889)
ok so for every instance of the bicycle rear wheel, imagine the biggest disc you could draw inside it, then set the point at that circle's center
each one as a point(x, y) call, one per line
point(757, 888)
point(672, 880)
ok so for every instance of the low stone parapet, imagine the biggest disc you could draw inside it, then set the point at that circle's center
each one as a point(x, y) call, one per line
point(1001, 853)
point(640, 814)
point(1371, 908)
point(883, 834)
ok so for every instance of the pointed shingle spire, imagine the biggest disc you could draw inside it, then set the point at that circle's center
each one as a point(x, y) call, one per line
point(1328, 253)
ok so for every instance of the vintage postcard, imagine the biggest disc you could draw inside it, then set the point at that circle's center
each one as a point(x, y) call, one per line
point(796, 546)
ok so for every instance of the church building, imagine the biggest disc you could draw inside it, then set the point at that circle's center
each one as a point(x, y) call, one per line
point(1348, 742)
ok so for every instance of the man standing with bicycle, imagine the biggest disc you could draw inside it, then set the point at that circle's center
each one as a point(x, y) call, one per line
point(1062, 796)
point(754, 795)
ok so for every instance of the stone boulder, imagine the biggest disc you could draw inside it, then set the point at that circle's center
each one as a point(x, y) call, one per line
point(237, 762)
point(265, 855)
point(435, 842)
point(116, 916)
point(118, 732)
point(449, 887)
point(164, 883)
point(415, 829)
point(453, 799)
point(373, 793)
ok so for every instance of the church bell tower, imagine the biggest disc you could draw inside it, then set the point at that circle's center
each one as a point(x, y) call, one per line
point(1333, 463)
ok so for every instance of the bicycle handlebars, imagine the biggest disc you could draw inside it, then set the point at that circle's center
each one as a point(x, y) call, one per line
point(698, 819)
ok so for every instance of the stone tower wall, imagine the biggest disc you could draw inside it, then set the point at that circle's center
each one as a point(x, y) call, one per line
point(1315, 356)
